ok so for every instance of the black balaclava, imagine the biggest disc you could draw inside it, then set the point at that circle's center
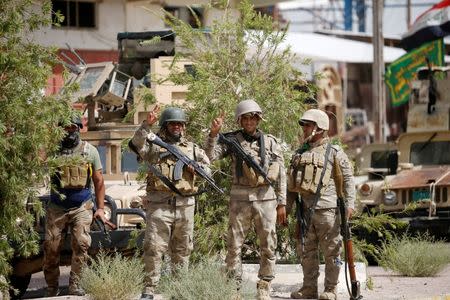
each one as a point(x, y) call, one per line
point(71, 140)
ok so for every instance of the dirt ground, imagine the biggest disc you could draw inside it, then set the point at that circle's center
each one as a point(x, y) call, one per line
point(385, 285)
point(390, 286)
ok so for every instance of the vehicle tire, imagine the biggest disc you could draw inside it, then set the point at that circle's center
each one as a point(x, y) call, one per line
point(20, 283)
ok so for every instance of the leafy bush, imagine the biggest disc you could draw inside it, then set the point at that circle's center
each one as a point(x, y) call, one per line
point(371, 229)
point(27, 125)
point(113, 277)
point(226, 72)
point(419, 256)
point(203, 280)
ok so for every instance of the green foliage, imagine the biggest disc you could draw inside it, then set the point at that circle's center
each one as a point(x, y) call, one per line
point(143, 96)
point(113, 277)
point(203, 280)
point(419, 256)
point(369, 283)
point(372, 228)
point(27, 123)
point(233, 63)
point(234, 60)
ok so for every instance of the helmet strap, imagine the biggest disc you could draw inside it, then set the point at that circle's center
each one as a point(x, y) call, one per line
point(315, 132)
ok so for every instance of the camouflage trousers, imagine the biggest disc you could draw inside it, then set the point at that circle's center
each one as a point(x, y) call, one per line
point(242, 215)
point(57, 219)
point(324, 233)
point(169, 230)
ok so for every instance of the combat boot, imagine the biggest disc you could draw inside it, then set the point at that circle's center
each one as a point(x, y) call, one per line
point(263, 290)
point(52, 291)
point(147, 294)
point(76, 290)
point(306, 292)
point(329, 294)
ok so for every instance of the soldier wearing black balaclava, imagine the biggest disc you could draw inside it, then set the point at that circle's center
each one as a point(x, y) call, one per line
point(71, 206)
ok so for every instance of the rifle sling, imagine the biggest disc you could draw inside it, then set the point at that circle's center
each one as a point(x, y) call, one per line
point(311, 210)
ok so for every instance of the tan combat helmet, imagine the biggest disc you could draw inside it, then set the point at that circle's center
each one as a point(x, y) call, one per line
point(247, 106)
point(317, 116)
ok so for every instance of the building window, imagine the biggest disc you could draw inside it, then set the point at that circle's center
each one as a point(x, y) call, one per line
point(77, 14)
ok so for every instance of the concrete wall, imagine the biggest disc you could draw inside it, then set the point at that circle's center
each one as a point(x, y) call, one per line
point(112, 16)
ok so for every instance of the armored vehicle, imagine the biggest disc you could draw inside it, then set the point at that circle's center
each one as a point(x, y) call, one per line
point(411, 179)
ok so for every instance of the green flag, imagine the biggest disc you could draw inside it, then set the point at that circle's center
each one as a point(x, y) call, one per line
point(401, 72)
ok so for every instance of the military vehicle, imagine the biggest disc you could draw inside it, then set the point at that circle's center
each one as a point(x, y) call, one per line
point(411, 178)
point(106, 93)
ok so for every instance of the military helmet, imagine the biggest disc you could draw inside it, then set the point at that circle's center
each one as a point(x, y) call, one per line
point(245, 107)
point(172, 114)
point(75, 119)
point(317, 116)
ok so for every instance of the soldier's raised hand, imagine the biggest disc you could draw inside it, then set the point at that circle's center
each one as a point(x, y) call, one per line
point(152, 116)
point(216, 125)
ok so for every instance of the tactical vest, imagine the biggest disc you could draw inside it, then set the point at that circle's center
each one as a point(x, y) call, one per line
point(75, 177)
point(306, 169)
point(248, 176)
point(178, 174)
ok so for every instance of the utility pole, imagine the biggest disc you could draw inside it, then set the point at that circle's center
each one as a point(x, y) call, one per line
point(379, 99)
point(408, 14)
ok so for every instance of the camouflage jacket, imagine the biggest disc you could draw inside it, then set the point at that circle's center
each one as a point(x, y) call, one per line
point(328, 197)
point(242, 187)
point(157, 156)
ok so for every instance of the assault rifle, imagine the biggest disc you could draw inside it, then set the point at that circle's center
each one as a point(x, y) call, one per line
point(153, 138)
point(432, 90)
point(248, 159)
point(303, 224)
point(102, 224)
point(354, 293)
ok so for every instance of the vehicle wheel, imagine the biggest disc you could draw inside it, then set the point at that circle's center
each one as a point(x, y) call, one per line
point(20, 283)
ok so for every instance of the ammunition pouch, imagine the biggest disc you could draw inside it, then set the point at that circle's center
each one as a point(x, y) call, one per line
point(305, 173)
point(175, 171)
point(186, 184)
point(253, 179)
point(75, 177)
point(294, 175)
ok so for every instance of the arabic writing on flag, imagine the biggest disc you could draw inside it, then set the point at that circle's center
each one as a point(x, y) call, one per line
point(400, 72)
point(433, 24)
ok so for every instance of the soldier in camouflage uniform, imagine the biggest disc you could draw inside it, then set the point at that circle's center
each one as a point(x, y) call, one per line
point(70, 205)
point(305, 172)
point(252, 201)
point(170, 216)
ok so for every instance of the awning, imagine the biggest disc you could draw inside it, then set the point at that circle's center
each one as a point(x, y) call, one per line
point(324, 48)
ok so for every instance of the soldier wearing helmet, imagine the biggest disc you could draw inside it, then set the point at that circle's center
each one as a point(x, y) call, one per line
point(170, 201)
point(71, 205)
point(311, 164)
point(253, 201)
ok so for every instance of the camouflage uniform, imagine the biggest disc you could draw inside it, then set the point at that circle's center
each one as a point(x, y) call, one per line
point(170, 217)
point(324, 230)
point(75, 210)
point(252, 201)
point(58, 218)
